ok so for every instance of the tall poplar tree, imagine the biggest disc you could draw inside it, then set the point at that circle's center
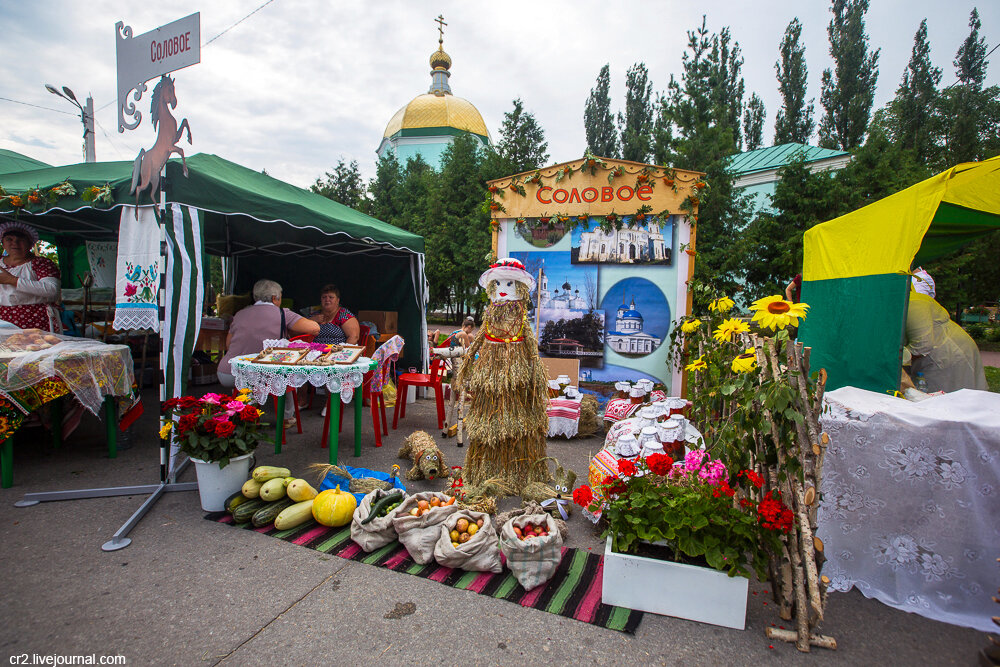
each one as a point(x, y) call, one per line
point(598, 121)
point(521, 146)
point(849, 89)
point(794, 120)
point(385, 190)
point(636, 124)
point(967, 102)
point(753, 123)
point(916, 98)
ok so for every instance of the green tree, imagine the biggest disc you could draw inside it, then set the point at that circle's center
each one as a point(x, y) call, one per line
point(916, 99)
point(753, 123)
point(461, 233)
point(966, 109)
point(419, 183)
point(522, 145)
point(343, 185)
point(794, 121)
point(849, 89)
point(385, 190)
point(695, 130)
point(598, 121)
point(636, 124)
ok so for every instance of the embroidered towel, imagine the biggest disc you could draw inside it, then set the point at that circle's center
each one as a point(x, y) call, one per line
point(137, 270)
point(102, 255)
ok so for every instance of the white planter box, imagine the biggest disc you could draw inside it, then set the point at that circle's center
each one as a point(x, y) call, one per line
point(674, 589)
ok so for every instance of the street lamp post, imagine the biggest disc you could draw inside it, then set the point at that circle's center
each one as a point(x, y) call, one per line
point(86, 115)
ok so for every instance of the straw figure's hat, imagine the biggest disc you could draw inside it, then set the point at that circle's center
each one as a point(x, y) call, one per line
point(507, 269)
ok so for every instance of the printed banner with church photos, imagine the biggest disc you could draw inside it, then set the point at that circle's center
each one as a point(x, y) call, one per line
point(608, 294)
point(565, 307)
point(637, 243)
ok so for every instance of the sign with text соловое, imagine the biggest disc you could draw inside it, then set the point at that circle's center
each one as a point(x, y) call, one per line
point(152, 54)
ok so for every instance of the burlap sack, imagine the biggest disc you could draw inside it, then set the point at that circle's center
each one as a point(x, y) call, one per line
point(532, 561)
point(419, 534)
point(481, 553)
point(379, 531)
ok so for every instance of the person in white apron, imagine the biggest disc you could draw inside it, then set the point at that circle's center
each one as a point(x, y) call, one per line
point(29, 285)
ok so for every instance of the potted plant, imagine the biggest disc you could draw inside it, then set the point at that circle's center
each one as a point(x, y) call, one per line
point(219, 433)
point(681, 540)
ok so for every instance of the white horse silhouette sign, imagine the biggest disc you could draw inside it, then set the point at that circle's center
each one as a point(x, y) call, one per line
point(165, 49)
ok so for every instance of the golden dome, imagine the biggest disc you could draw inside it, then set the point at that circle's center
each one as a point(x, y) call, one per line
point(429, 110)
point(440, 59)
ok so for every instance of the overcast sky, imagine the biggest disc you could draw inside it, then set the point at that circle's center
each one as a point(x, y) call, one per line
point(298, 85)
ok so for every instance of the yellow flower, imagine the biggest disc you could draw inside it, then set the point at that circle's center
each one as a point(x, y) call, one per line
point(773, 312)
point(165, 431)
point(722, 305)
point(690, 326)
point(728, 328)
point(746, 362)
point(696, 365)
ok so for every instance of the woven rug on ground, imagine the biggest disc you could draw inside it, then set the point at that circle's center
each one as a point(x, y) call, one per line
point(574, 591)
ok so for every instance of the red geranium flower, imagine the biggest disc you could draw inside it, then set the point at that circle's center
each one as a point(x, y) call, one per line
point(224, 429)
point(614, 486)
point(583, 496)
point(659, 464)
point(626, 468)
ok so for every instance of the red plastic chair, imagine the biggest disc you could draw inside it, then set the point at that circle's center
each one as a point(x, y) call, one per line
point(371, 386)
point(432, 380)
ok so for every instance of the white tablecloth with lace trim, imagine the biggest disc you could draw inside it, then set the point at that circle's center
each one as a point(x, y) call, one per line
point(910, 511)
point(275, 379)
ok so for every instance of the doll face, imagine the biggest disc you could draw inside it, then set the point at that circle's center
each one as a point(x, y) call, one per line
point(506, 291)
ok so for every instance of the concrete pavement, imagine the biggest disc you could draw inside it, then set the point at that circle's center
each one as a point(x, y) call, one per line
point(191, 592)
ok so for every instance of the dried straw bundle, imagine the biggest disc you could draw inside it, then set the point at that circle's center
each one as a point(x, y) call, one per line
point(357, 484)
point(590, 422)
point(506, 419)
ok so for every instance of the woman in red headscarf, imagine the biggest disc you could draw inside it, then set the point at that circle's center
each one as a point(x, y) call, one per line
point(29, 285)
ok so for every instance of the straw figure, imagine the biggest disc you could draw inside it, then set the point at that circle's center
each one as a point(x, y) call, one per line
point(506, 419)
point(427, 457)
point(556, 496)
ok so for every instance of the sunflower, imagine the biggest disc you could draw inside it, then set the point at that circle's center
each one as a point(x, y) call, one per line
point(696, 365)
point(722, 305)
point(773, 312)
point(731, 326)
point(745, 362)
point(691, 326)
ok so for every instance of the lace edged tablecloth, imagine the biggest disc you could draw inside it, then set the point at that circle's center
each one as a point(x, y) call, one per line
point(275, 379)
point(564, 416)
point(910, 511)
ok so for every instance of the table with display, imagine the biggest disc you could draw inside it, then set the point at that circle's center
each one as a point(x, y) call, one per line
point(909, 501)
point(95, 373)
point(341, 382)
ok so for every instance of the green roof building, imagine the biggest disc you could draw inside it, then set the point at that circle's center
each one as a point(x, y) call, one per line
point(756, 172)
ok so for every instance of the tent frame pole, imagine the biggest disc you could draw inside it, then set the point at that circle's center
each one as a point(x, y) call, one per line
point(167, 484)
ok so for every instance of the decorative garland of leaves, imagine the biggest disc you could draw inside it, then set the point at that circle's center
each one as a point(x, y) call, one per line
point(39, 200)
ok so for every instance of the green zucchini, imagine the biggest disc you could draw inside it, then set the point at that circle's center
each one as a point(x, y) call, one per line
point(384, 501)
point(234, 501)
point(270, 512)
point(264, 473)
point(246, 510)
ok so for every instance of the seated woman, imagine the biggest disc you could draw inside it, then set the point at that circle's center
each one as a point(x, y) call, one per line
point(29, 285)
point(336, 324)
point(947, 356)
point(459, 337)
point(252, 325)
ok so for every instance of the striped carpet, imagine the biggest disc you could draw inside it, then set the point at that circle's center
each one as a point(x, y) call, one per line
point(574, 591)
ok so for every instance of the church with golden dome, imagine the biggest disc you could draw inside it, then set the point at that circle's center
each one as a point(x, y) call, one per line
point(430, 122)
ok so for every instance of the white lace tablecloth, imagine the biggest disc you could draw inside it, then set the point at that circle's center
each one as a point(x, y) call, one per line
point(910, 511)
point(275, 379)
point(564, 416)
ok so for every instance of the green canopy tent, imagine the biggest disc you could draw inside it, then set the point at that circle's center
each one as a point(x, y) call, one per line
point(12, 161)
point(269, 228)
point(856, 269)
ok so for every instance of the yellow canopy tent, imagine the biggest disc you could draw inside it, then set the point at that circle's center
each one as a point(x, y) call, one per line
point(856, 269)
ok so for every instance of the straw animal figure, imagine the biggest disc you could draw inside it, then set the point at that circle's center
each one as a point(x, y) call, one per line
point(506, 419)
point(556, 496)
point(482, 498)
point(427, 457)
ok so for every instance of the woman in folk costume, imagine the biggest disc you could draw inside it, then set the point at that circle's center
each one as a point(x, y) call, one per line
point(29, 285)
point(506, 420)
